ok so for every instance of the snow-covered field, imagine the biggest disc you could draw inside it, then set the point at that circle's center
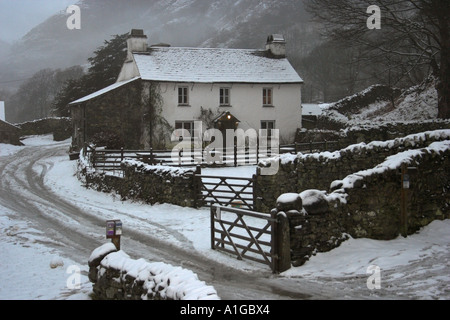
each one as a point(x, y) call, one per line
point(416, 267)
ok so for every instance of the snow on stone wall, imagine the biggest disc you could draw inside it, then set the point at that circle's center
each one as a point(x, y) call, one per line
point(301, 172)
point(368, 202)
point(116, 276)
point(140, 181)
point(162, 170)
point(61, 127)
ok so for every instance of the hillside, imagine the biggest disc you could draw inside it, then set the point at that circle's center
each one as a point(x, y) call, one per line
point(243, 24)
point(4, 47)
point(379, 104)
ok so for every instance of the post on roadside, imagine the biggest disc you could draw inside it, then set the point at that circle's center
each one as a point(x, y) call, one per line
point(114, 231)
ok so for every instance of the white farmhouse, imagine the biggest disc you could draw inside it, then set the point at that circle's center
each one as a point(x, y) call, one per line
point(242, 88)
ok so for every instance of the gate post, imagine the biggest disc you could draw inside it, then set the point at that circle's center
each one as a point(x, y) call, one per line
point(212, 212)
point(197, 187)
point(282, 243)
point(255, 189)
point(94, 158)
point(281, 238)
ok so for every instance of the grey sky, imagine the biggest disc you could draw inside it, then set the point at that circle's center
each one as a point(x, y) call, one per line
point(17, 17)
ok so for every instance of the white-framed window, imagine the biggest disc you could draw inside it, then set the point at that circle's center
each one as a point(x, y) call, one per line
point(183, 96)
point(224, 99)
point(186, 125)
point(267, 97)
point(266, 128)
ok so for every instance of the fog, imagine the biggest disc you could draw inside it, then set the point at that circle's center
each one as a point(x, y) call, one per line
point(38, 37)
point(17, 17)
point(41, 38)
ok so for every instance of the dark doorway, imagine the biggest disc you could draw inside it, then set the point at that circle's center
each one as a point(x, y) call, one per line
point(224, 122)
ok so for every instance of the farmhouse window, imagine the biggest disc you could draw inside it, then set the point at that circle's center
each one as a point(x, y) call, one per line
point(266, 128)
point(186, 125)
point(224, 96)
point(183, 97)
point(267, 97)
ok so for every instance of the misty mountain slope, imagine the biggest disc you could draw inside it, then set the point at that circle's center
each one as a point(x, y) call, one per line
point(4, 47)
point(209, 23)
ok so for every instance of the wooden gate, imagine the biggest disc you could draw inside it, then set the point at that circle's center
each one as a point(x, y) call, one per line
point(246, 234)
point(227, 191)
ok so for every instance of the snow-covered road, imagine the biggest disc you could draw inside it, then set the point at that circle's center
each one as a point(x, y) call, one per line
point(46, 215)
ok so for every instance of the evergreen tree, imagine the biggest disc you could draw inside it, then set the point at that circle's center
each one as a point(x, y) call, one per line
point(106, 63)
point(105, 66)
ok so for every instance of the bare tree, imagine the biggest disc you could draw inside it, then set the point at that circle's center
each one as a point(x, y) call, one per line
point(413, 34)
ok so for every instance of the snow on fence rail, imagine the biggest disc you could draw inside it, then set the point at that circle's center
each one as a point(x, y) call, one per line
point(110, 160)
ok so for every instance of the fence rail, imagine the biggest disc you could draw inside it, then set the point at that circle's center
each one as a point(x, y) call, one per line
point(227, 191)
point(110, 160)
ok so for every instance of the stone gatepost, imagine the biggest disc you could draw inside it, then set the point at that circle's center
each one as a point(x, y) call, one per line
point(287, 204)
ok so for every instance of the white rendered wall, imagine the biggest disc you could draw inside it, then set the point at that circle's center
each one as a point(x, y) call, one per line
point(246, 105)
point(129, 71)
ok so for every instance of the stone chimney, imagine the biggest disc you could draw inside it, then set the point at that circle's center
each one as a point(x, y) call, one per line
point(136, 42)
point(276, 46)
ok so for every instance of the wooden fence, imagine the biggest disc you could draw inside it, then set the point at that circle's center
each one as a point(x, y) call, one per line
point(110, 160)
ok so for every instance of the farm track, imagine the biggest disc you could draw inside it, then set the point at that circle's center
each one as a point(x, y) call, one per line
point(75, 232)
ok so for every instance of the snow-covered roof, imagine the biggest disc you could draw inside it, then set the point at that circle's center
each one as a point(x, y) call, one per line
point(213, 65)
point(103, 91)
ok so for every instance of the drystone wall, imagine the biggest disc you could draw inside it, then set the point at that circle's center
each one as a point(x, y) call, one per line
point(316, 171)
point(10, 134)
point(115, 276)
point(364, 132)
point(151, 184)
point(315, 224)
point(372, 203)
point(160, 184)
point(60, 127)
point(368, 131)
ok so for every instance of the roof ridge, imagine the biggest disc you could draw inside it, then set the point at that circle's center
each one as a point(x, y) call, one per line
point(193, 64)
point(198, 48)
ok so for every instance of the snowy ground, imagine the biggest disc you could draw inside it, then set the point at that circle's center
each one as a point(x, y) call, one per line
point(34, 267)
